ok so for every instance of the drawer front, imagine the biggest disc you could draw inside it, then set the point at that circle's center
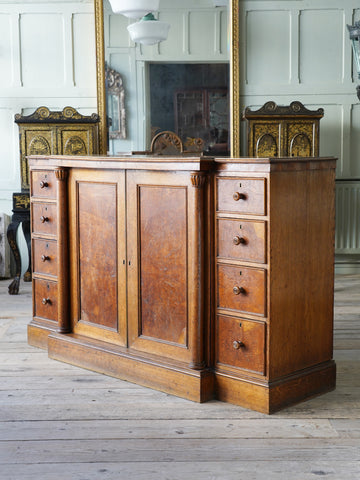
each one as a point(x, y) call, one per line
point(43, 184)
point(44, 218)
point(46, 299)
point(242, 289)
point(45, 257)
point(243, 196)
point(241, 240)
point(241, 343)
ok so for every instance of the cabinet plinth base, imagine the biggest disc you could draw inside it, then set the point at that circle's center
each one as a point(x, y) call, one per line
point(178, 379)
point(271, 397)
point(38, 333)
point(173, 378)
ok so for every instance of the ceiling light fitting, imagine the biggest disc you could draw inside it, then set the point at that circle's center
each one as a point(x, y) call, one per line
point(134, 8)
point(148, 30)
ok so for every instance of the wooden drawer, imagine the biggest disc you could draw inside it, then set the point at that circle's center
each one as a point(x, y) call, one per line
point(46, 299)
point(241, 240)
point(240, 343)
point(241, 195)
point(45, 257)
point(242, 289)
point(43, 184)
point(44, 218)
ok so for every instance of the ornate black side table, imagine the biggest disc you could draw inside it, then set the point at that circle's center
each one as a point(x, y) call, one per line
point(21, 215)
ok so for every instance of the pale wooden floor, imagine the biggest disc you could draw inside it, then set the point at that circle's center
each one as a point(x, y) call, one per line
point(61, 422)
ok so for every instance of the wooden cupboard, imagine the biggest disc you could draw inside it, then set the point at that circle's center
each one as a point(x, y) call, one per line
point(199, 277)
point(283, 130)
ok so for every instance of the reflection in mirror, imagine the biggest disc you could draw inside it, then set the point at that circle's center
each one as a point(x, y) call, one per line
point(191, 100)
point(179, 85)
point(115, 104)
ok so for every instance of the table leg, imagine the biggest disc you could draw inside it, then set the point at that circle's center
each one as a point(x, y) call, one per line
point(11, 236)
point(26, 230)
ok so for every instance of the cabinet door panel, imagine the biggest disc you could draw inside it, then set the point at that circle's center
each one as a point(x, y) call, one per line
point(97, 240)
point(97, 253)
point(164, 292)
point(75, 141)
point(163, 256)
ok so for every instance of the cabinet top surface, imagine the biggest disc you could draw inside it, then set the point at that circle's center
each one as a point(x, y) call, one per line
point(182, 163)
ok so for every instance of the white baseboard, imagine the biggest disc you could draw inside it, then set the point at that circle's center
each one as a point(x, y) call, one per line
point(347, 264)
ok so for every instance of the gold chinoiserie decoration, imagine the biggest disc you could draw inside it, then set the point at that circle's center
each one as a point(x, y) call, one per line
point(283, 131)
point(46, 132)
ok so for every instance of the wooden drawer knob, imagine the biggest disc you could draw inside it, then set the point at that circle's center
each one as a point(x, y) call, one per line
point(46, 301)
point(44, 219)
point(237, 344)
point(44, 258)
point(44, 184)
point(239, 196)
point(238, 290)
point(239, 240)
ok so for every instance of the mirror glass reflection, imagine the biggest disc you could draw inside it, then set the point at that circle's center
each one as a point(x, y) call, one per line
point(179, 85)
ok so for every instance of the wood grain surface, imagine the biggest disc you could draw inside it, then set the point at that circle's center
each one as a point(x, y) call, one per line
point(60, 420)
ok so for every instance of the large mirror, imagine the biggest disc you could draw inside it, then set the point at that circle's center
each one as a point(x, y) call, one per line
point(199, 61)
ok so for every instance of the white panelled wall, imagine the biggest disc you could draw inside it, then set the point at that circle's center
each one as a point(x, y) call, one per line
point(47, 57)
point(300, 50)
point(289, 50)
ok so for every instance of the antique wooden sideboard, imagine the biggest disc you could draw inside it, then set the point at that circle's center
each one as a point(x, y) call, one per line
point(204, 278)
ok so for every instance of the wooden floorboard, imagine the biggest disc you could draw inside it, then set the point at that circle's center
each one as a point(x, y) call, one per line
point(58, 421)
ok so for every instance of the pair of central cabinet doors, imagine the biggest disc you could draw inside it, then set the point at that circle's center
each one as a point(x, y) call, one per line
point(135, 261)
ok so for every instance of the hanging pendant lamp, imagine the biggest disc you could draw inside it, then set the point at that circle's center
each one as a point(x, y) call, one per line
point(148, 30)
point(354, 31)
point(134, 8)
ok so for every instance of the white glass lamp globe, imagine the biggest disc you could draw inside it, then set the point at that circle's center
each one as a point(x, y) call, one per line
point(148, 30)
point(134, 8)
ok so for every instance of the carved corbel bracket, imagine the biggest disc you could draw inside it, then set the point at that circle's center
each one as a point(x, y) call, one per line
point(61, 174)
point(198, 179)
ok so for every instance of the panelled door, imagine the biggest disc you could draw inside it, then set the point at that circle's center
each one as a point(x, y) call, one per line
point(165, 255)
point(98, 254)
